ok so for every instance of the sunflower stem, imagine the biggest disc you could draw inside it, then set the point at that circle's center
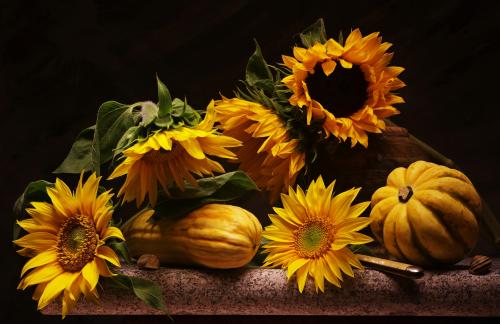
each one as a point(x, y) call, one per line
point(435, 155)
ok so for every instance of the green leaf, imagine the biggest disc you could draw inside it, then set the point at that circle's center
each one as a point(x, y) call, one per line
point(149, 112)
point(121, 250)
point(164, 100)
point(78, 158)
point(313, 34)
point(113, 120)
point(147, 291)
point(35, 191)
point(222, 188)
point(257, 69)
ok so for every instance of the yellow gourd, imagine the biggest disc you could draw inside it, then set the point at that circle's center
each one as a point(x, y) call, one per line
point(215, 236)
point(426, 214)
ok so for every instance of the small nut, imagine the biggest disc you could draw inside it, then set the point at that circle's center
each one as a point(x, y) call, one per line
point(148, 261)
point(479, 265)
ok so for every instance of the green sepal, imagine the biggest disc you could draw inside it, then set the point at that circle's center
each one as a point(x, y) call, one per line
point(258, 73)
point(164, 119)
point(34, 191)
point(146, 290)
point(78, 158)
point(223, 188)
point(340, 40)
point(313, 34)
point(183, 111)
point(128, 138)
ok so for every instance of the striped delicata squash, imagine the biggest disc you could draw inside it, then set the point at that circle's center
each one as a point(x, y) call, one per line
point(215, 236)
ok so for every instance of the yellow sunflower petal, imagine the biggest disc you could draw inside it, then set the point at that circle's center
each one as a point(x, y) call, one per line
point(328, 67)
point(345, 64)
point(296, 265)
point(113, 232)
point(55, 287)
point(30, 225)
point(208, 122)
point(90, 273)
point(40, 275)
point(319, 276)
point(67, 304)
point(38, 241)
point(103, 268)
point(106, 253)
point(193, 148)
point(39, 290)
point(329, 275)
point(41, 259)
point(353, 224)
point(302, 274)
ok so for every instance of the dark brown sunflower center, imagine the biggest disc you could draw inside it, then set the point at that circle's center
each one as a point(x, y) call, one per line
point(313, 239)
point(342, 93)
point(76, 243)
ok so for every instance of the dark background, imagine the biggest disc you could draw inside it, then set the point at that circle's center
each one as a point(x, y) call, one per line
point(60, 60)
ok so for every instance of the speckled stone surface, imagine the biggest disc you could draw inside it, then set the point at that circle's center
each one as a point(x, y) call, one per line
point(266, 291)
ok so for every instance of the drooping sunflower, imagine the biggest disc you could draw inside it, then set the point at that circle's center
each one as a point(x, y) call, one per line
point(349, 86)
point(172, 155)
point(66, 243)
point(269, 155)
point(310, 235)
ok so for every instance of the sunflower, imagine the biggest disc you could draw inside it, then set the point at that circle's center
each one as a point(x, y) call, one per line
point(172, 154)
point(348, 86)
point(269, 155)
point(309, 236)
point(65, 241)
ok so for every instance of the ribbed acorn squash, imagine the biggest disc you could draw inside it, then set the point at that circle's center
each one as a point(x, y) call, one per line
point(215, 236)
point(426, 214)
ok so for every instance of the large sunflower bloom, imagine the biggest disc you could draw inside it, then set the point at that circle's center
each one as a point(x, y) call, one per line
point(309, 236)
point(66, 240)
point(172, 155)
point(348, 86)
point(269, 155)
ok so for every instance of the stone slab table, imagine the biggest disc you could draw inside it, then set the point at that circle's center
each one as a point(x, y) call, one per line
point(254, 291)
